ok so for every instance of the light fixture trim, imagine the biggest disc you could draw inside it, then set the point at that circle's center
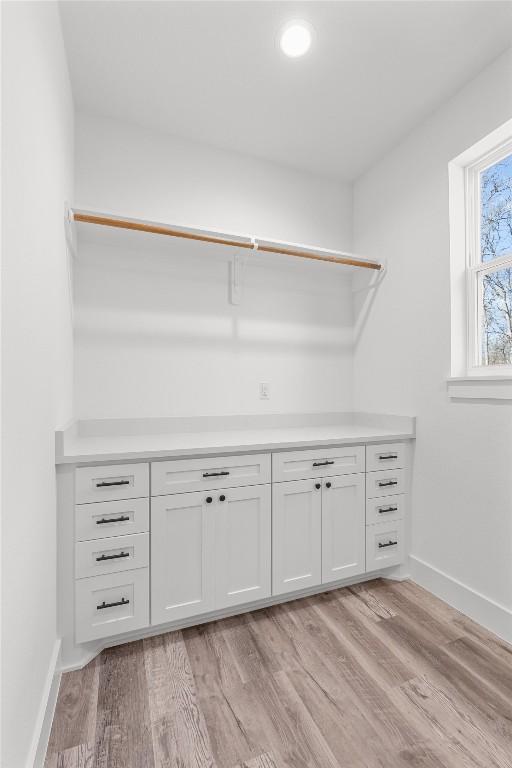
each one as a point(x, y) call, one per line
point(296, 38)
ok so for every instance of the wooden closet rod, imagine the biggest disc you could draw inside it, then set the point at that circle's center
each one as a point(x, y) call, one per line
point(155, 229)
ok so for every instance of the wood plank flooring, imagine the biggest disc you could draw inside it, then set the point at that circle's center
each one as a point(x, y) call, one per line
point(379, 675)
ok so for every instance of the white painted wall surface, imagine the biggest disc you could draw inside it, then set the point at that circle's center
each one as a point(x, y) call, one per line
point(462, 494)
point(141, 173)
point(37, 156)
point(156, 334)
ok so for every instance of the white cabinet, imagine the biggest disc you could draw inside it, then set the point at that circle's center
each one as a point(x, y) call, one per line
point(183, 475)
point(227, 531)
point(296, 535)
point(182, 556)
point(385, 483)
point(385, 509)
point(318, 531)
point(111, 604)
point(386, 456)
point(319, 462)
point(110, 482)
point(384, 545)
point(209, 550)
point(242, 545)
point(111, 518)
point(111, 550)
point(386, 493)
point(343, 527)
point(109, 555)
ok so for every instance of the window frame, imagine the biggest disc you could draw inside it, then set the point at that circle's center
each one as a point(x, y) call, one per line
point(476, 269)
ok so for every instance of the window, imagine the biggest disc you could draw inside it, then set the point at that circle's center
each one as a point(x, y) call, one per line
point(489, 258)
point(481, 268)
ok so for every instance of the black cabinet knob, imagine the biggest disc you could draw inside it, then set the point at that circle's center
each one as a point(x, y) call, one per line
point(222, 498)
point(209, 499)
point(328, 485)
point(317, 486)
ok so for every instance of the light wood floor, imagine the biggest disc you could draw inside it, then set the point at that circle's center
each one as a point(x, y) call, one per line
point(380, 675)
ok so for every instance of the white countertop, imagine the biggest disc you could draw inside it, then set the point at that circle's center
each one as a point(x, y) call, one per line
point(124, 440)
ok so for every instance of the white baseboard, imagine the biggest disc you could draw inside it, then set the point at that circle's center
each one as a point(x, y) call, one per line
point(493, 616)
point(44, 720)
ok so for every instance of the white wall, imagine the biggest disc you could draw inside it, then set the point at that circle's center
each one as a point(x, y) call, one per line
point(37, 156)
point(462, 495)
point(156, 334)
point(149, 175)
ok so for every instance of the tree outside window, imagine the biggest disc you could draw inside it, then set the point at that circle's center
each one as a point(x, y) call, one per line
point(495, 284)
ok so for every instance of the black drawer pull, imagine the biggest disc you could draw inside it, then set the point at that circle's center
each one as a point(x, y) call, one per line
point(384, 456)
point(215, 474)
point(387, 509)
point(112, 557)
point(104, 520)
point(114, 482)
point(123, 601)
point(388, 544)
point(322, 463)
point(388, 482)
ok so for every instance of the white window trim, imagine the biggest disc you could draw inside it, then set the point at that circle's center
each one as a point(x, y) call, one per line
point(468, 379)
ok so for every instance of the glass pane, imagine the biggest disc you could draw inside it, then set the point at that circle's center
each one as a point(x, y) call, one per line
point(496, 294)
point(496, 210)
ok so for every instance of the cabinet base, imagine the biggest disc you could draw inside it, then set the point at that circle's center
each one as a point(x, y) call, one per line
point(83, 654)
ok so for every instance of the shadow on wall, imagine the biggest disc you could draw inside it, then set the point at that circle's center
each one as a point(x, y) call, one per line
point(183, 299)
point(365, 290)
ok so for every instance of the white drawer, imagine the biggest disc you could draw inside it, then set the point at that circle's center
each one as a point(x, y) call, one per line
point(385, 510)
point(320, 462)
point(385, 483)
point(111, 518)
point(386, 456)
point(209, 474)
point(104, 483)
point(110, 605)
point(119, 553)
point(384, 545)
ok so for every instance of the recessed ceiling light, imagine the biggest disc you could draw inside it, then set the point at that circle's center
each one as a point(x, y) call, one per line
point(296, 37)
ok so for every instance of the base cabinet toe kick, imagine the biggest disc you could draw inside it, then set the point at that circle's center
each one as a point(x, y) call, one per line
point(170, 541)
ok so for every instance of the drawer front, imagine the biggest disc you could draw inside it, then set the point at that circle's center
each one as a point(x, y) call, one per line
point(384, 545)
point(111, 518)
point(105, 483)
point(110, 605)
point(320, 462)
point(385, 510)
point(209, 474)
point(119, 553)
point(386, 456)
point(385, 483)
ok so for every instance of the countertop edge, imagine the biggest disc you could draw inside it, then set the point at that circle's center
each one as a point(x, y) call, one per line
point(215, 450)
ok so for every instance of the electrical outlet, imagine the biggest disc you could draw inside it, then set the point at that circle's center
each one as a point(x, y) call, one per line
point(264, 391)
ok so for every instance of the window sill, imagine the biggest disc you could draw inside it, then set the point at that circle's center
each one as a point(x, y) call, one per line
point(480, 388)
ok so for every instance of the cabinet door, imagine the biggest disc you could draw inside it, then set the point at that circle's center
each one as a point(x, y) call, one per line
point(242, 545)
point(182, 542)
point(296, 535)
point(343, 527)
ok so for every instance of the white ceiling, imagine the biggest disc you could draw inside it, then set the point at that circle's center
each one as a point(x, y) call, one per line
point(212, 71)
